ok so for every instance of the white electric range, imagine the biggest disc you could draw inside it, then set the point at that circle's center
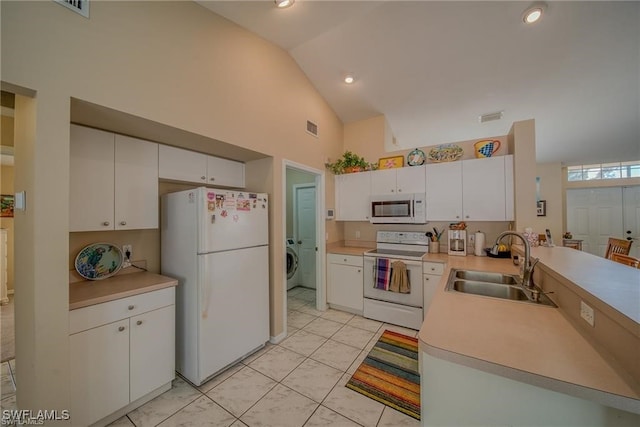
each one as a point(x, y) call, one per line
point(403, 309)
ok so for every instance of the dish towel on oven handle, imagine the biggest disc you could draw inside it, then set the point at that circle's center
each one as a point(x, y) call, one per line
point(399, 278)
point(382, 276)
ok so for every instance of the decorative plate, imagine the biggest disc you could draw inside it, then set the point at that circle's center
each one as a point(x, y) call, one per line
point(98, 261)
point(415, 158)
point(445, 153)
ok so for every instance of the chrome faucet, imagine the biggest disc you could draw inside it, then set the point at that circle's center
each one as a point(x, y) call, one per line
point(528, 265)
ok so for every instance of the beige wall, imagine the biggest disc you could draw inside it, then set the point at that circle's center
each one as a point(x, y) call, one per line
point(6, 187)
point(170, 62)
point(522, 144)
point(6, 130)
point(550, 175)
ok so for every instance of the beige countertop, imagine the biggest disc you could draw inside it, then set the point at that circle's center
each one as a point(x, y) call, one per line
point(522, 341)
point(90, 292)
point(339, 248)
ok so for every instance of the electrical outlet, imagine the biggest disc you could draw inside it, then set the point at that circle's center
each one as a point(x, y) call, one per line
point(587, 313)
point(127, 249)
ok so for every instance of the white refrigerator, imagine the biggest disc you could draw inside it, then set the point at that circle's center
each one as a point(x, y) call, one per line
point(215, 242)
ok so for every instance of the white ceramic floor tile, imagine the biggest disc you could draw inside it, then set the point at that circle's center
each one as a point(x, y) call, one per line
point(299, 320)
point(295, 303)
point(354, 337)
point(356, 363)
point(325, 417)
point(165, 405)
point(8, 403)
point(308, 295)
point(241, 391)
point(337, 315)
point(202, 412)
point(392, 418)
point(258, 353)
point(395, 328)
point(311, 309)
point(281, 407)
point(303, 342)
point(291, 330)
point(364, 323)
point(221, 377)
point(295, 291)
point(277, 363)
point(7, 388)
point(323, 327)
point(122, 422)
point(313, 379)
point(353, 405)
point(335, 354)
point(239, 423)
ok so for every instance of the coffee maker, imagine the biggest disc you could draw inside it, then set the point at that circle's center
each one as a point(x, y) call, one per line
point(458, 242)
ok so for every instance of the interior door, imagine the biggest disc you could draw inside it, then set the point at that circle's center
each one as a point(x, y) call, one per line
point(305, 231)
point(594, 215)
point(631, 217)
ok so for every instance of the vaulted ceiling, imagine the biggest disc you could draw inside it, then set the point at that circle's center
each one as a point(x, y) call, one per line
point(432, 68)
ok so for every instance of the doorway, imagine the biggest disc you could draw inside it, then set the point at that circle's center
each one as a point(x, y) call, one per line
point(595, 214)
point(303, 233)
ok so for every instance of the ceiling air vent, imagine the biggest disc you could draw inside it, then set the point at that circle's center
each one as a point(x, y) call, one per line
point(79, 6)
point(491, 117)
point(312, 128)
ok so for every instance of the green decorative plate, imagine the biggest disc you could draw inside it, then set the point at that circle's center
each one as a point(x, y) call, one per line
point(98, 261)
point(416, 157)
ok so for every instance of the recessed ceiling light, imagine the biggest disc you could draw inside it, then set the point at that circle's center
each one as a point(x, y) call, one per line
point(284, 3)
point(348, 79)
point(533, 13)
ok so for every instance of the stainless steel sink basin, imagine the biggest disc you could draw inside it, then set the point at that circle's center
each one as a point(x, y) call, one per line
point(486, 289)
point(486, 276)
point(495, 285)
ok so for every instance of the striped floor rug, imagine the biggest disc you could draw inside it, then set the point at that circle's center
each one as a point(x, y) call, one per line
point(390, 373)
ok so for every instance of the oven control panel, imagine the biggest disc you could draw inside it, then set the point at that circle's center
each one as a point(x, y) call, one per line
point(402, 237)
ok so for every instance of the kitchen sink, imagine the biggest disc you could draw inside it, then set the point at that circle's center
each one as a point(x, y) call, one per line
point(495, 285)
point(486, 276)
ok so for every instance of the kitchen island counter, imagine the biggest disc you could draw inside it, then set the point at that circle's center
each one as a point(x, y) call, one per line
point(87, 292)
point(529, 343)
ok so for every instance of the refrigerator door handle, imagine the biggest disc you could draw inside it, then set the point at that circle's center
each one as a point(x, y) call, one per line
point(213, 219)
point(205, 290)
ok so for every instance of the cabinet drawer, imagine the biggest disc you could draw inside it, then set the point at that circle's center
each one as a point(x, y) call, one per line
point(345, 259)
point(85, 318)
point(433, 268)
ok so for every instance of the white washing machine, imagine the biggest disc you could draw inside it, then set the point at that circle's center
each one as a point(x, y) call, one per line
point(292, 264)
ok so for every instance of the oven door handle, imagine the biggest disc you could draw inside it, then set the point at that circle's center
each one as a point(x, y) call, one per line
point(391, 260)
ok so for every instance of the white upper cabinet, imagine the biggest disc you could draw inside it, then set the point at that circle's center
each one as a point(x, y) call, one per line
point(113, 181)
point(444, 191)
point(189, 166)
point(91, 181)
point(399, 180)
point(471, 190)
point(136, 183)
point(182, 165)
point(226, 173)
point(353, 196)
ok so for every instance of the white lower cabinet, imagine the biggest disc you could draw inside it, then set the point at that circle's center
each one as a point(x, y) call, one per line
point(432, 274)
point(120, 352)
point(345, 282)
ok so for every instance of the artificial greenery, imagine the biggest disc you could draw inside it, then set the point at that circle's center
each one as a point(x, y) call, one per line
point(350, 162)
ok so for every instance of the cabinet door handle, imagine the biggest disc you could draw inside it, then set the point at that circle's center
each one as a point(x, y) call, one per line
point(359, 270)
point(121, 328)
point(426, 279)
point(433, 269)
point(131, 307)
point(212, 179)
point(399, 190)
point(392, 191)
point(106, 223)
point(139, 322)
point(467, 216)
point(345, 260)
point(123, 222)
point(457, 216)
point(203, 177)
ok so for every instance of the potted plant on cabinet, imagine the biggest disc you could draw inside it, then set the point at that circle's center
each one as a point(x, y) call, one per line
point(350, 162)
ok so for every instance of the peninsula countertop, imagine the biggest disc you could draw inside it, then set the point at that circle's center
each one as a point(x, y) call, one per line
point(87, 292)
point(526, 342)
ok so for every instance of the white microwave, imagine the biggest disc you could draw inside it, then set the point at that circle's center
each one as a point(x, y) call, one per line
point(410, 208)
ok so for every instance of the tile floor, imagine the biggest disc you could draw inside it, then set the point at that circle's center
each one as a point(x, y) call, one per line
point(298, 382)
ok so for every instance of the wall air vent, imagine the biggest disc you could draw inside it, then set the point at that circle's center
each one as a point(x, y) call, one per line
point(491, 117)
point(79, 6)
point(312, 128)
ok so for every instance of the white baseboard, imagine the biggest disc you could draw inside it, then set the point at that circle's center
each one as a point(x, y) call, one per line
point(277, 339)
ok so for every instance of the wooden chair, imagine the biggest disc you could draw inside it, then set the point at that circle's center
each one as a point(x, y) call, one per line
point(617, 246)
point(626, 260)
